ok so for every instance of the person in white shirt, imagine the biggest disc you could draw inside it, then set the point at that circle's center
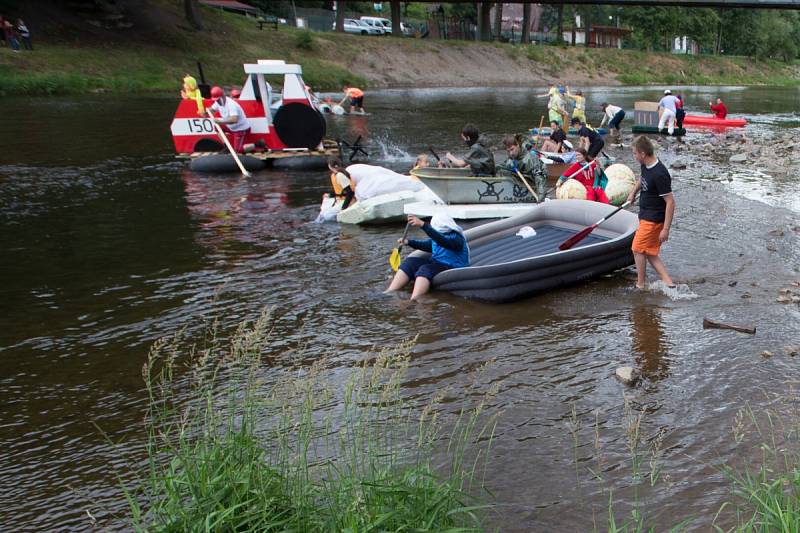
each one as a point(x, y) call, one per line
point(667, 108)
point(613, 115)
point(231, 117)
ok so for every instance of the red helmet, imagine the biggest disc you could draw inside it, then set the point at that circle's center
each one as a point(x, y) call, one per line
point(235, 93)
point(216, 91)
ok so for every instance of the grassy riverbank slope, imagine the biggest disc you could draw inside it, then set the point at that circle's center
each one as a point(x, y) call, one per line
point(161, 47)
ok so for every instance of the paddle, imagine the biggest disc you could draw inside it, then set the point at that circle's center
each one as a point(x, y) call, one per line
point(438, 160)
point(582, 234)
point(227, 143)
point(535, 196)
point(394, 258)
point(539, 130)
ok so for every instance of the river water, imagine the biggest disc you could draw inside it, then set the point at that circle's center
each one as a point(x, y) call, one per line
point(108, 243)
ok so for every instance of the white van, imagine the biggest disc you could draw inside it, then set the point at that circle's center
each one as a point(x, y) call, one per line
point(378, 22)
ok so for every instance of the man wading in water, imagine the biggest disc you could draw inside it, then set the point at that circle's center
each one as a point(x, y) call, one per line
point(656, 208)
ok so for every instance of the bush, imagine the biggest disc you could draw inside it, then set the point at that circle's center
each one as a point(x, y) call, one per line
point(304, 40)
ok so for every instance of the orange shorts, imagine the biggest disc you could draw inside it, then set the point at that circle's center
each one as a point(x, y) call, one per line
point(646, 239)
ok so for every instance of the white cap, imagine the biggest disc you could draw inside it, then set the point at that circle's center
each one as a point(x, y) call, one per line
point(667, 91)
point(567, 144)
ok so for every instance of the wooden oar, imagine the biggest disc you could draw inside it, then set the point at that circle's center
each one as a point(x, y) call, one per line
point(582, 234)
point(227, 143)
point(539, 130)
point(535, 196)
point(394, 258)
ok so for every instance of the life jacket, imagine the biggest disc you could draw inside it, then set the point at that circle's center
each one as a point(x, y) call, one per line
point(354, 92)
point(338, 183)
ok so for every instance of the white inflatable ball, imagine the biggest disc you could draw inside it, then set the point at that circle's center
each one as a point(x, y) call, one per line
point(571, 190)
point(338, 110)
point(621, 182)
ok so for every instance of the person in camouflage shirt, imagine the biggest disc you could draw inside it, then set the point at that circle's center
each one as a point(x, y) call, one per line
point(479, 158)
point(520, 158)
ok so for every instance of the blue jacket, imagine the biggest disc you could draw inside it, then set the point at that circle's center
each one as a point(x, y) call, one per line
point(450, 248)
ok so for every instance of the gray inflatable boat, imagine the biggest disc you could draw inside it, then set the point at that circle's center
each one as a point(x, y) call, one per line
point(506, 267)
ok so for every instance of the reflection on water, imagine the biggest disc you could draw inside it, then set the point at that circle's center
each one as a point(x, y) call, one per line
point(649, 344)
point(108, 244)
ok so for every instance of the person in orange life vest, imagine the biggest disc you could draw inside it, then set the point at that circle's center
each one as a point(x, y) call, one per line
point(356, 97)
point(231, 117)
point(341, 181)
point(719, 110)
point(587, 173)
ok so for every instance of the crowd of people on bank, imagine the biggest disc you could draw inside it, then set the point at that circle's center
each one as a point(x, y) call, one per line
point(15, 35)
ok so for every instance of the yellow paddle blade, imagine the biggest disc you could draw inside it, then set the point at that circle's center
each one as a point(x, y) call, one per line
point(394, 259)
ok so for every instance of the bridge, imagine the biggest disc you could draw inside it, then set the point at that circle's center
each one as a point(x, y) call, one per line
point(761, 4)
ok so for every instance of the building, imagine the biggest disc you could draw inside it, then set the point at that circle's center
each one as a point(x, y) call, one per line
point(685, 45)
point(599, 36)
point(511, 20)
point(233, 6)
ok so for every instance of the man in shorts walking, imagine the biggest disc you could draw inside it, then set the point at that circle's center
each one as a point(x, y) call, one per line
point(656, 208)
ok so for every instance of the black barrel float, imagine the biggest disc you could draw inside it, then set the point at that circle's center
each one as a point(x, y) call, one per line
point(299, 125)
point(222, 163)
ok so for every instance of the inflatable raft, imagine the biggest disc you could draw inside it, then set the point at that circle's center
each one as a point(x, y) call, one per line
point(678, 132)
point(711, 120)
point(506, 267)
point(571, 131)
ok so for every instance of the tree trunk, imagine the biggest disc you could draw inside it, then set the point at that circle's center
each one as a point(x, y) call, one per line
point(588, 26)
point(498, 20)
point(340, 6)
point(526, 24)
point(193, 14)
point(560, 36)
point(574, 24)
point(397, 31)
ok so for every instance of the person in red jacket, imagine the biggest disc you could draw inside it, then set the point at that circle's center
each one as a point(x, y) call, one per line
point(719, 110)
point(585, 171)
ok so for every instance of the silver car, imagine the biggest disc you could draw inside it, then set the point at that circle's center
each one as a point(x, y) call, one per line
point(359, 27)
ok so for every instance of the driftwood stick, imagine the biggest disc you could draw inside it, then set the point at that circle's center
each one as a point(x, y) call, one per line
point(719, 325)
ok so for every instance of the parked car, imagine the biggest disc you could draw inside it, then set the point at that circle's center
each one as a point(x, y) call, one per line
point(386, 25)
point(359, 27)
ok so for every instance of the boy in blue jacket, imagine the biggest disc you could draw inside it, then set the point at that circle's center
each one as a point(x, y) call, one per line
point(448, 249)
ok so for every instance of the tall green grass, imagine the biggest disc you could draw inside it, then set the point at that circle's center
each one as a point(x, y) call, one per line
point(314, 452)
point(765, 493)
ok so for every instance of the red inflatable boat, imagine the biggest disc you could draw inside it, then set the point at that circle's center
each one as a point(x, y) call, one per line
point(711, 120)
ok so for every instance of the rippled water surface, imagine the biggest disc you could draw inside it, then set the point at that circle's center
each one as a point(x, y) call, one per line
point(108, 243)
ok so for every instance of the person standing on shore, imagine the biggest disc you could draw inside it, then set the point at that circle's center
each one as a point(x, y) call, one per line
point(591, 140)
point(613, 115)
point(680, 113)
point(668, 107)
point(25, 34)
point(719, 110)
point(656, 210)
point(10, 35)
